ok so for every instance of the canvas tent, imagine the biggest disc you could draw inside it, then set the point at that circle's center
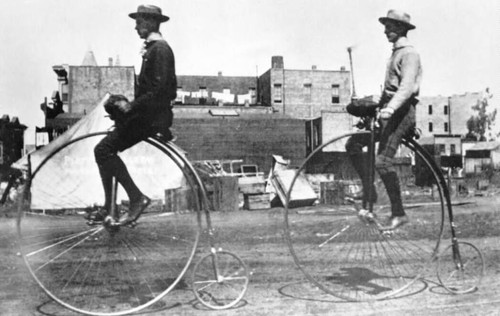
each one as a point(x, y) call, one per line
point(70, 178)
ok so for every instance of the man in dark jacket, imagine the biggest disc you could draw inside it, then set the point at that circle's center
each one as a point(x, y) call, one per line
point(148, 114)
point(397, 117)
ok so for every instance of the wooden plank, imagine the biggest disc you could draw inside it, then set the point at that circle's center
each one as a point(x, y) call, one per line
point(225, 197)
point(257, 201)
point(252, 185)
point(302, 193)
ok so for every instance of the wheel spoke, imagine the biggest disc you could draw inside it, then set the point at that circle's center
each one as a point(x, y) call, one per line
point(103, 269)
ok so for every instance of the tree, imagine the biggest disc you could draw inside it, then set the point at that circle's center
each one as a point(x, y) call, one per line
point(480, 123)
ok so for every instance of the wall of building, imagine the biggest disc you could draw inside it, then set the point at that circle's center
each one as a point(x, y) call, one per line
point(306, 93)
point(11, 143)
point(189, 86)
point(335, 124)
point(196, 110)
point(264, 90)
point(88, 85)
point(253, 138)
point(433, 116)
point(447, 145)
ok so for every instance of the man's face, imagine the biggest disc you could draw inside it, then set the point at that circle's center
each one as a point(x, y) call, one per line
point(393, 31)
point(145, 26)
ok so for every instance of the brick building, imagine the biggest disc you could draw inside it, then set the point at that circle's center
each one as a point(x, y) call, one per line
point(255, 123)
point(251, 137)
point(81, 87)
point(11, 143)
point(433, 116)
point(216, 90)
point(303, 93)
point(315, 96)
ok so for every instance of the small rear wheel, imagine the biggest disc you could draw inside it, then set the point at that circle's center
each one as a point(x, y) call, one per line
point(220, 280)
point(460, 268)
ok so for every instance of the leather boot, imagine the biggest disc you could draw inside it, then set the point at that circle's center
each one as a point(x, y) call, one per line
point(359, 162)
point(391, 183)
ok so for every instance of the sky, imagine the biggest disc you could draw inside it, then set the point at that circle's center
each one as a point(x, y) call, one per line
point(458, 40)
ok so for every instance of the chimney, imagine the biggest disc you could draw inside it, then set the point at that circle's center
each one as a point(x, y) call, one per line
point(314, 67)
point(89, 59)
point(277, 62)
point(342, 68)
point(219, 74)
point(110, 62)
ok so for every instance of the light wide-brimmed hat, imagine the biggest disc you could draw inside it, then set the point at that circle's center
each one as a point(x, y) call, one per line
point(149, 11)
point(398, 16)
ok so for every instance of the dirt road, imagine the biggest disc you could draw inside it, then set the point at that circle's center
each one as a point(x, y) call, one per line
point(277, 286)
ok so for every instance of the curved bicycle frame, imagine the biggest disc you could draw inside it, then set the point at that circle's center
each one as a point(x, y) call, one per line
point(171, 151)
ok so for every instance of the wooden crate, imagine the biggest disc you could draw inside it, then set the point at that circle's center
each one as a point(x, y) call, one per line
point(252, 185)
point(335, 192)
point(179, 200)
point(257, 201)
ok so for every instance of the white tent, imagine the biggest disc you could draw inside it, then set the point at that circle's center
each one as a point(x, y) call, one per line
point(70, 178)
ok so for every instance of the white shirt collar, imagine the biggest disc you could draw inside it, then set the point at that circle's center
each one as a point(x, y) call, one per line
point(154, 36)
point(401, 42)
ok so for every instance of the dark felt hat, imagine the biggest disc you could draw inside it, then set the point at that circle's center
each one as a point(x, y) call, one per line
point(149, 11)
point(399, 17)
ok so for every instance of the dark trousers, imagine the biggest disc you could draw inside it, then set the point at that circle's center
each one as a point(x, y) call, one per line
point(121, 138)
point(389, 136)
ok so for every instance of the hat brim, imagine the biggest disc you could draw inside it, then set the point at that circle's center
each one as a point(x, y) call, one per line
point(158, 17)
point(409, 26)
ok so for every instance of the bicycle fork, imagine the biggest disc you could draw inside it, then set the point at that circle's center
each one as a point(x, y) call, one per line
point(371, 168)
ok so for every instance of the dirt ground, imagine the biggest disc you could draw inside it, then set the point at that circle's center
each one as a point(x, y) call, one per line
point(277, 286)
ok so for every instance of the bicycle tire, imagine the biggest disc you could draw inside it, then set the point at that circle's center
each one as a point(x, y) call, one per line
point(460, 274)
point(98, 271)
point(220, 280)
point(353, 259)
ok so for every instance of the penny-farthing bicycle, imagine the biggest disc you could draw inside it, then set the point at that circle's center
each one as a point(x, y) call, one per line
point(115, 270)
point(356, 260)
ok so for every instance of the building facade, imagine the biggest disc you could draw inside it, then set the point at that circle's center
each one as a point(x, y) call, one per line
point(11, 143)
point(433, 116)
point(303, 94)
point(216, 90)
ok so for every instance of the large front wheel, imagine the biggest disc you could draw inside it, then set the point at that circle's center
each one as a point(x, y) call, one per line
point(102, 270)
point(351, 257)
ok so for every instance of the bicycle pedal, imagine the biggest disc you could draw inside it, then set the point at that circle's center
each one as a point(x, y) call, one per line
point(388, 232)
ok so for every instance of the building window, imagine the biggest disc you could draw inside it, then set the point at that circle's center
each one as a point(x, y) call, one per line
point(452, 149)
point(430, 109)
point(335, 93)
point(442, 149)
point(203, 95)
point(307, 92)
point(445, 126)
point(253, 95)
point(445, 110)
point(278, 93)
point(64, 93)
point(430, 127)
